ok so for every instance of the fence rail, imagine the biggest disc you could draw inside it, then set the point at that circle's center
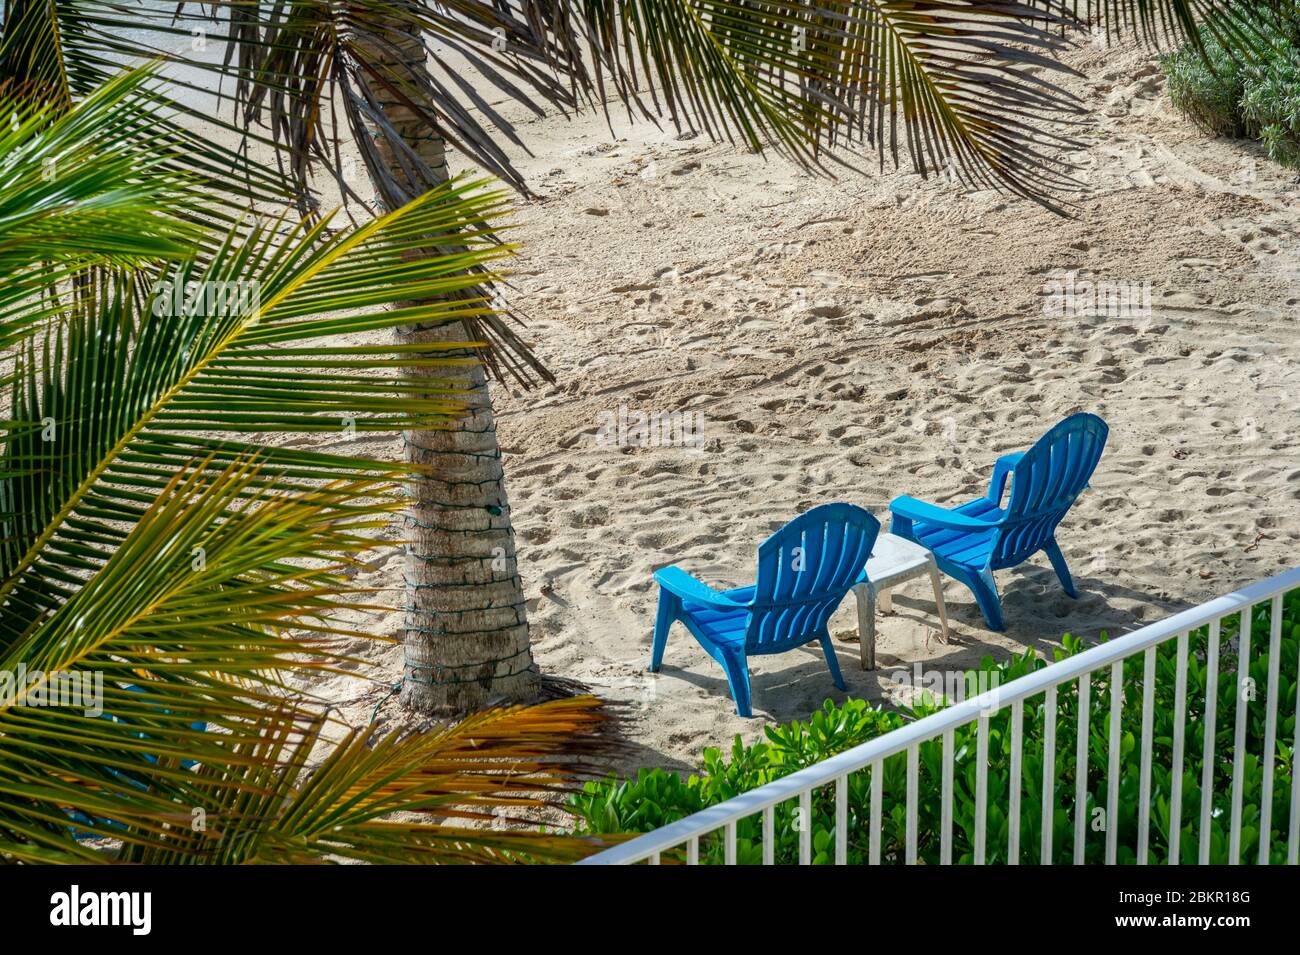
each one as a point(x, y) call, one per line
point(870, 756)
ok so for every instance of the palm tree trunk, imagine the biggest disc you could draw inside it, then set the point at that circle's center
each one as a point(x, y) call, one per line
point(466, 630)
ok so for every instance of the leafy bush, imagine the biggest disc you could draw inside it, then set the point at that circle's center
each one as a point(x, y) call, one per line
point(1259, 99)
point(655, 797)
point(1206, 88)
point(1270, 103)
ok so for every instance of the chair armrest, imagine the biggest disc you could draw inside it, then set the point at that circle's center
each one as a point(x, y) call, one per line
point(681, 584)
point(910, 509)
point(1001, 469)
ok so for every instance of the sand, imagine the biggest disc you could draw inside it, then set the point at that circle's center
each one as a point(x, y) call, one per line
point(874, 336)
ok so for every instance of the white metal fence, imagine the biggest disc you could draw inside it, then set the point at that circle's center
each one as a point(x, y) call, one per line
point(682, 840)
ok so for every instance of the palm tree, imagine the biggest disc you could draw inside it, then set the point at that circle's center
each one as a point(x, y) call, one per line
point(957, 83)
point(164, 573)
point(466, 630)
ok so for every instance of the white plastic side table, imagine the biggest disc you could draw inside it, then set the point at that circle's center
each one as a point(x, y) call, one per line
point(893, 561)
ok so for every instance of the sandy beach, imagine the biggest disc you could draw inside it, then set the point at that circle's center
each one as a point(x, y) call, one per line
point(877, 335)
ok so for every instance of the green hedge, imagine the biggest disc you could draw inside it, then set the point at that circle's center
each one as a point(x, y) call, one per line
point(1259, 100)
point(655, 797)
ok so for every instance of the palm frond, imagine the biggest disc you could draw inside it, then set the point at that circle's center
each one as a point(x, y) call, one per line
point(58, 52)
point(171, 639)
point(192, 714)
point(961, 86)
point(85, 196)
point(957, 84)
point(111, 401)
point(952, 81)
point(1165, 23)
point(492, 769)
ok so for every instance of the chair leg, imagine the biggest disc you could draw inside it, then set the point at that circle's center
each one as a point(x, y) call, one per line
point(986, 595)
point(886, 601)
point(669, 608)
point(1058, 564)
point(738, 677)
point(937, 582)
point(866, 599)
point(828, 648)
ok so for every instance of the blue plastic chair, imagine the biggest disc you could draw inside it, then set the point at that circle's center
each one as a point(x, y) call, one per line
point(804, 570)
point(93, 827)
point(971, 541)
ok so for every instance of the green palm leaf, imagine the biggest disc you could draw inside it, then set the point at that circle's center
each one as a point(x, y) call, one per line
point(174, 640)
point(957, 84)
point(490, 767)
point(86, 195)
point(128, 397)
point(59, 52)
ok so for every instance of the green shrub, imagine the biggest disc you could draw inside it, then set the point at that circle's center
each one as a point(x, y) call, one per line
point(655, 798)
point(1270, 105)
point(1259, 99)
point(1206, 89)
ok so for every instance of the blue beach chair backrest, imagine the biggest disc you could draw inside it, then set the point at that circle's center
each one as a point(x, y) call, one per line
point(102, 823)
point(1045, 482)
point(804, 571)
